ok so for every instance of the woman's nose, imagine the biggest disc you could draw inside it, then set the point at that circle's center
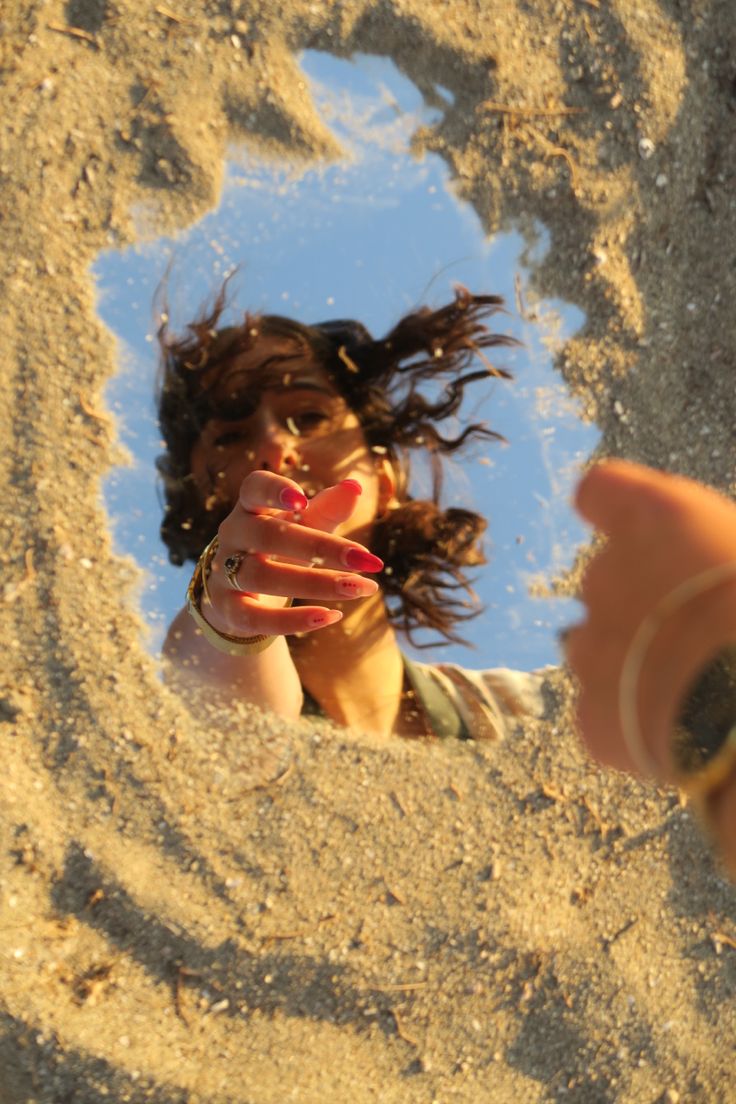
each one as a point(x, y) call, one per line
point(275, 451)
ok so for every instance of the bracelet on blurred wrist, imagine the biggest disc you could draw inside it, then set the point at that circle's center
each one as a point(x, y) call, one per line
point(703, 744)
point(197, 594)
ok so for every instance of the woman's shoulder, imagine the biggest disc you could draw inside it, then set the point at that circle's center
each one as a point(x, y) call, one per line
point(492, 701)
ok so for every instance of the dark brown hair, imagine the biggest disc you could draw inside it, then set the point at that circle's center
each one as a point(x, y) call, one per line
point(425, 548)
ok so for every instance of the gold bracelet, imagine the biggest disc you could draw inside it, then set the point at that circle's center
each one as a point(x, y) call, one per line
point(197, 590)
point(710, 778)
point(703, 800)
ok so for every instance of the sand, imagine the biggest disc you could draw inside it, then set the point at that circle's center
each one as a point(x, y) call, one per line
point(237, 910)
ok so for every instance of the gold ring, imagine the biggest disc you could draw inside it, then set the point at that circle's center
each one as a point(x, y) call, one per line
point(197, 591)
point(232, 567)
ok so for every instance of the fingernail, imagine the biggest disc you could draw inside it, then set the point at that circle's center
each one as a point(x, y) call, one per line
point(353, 484)
point(358, 560)
point(355, 587)
point(293, 500)
point(329, 617)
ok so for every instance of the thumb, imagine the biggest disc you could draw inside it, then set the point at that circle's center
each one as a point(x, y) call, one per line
point(330, 507)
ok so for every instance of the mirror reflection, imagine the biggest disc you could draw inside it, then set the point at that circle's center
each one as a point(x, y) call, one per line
point(374, 239)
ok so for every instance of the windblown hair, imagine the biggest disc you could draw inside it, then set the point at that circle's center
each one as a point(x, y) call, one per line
point(425, 548)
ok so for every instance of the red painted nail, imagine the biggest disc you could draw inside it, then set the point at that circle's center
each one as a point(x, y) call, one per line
point(353, 484)
point(329, 617)
point(358, 560)
point(293, 500)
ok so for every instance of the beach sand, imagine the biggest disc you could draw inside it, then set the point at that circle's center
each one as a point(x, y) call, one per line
point(216, 910)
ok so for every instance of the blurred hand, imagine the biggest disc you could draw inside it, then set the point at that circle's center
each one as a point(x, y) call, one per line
point(662, 529)
point(283, 535)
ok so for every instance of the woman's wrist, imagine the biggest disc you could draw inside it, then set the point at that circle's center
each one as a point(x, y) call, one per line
point(198, 596)
point(703, 743)
point(667, 655)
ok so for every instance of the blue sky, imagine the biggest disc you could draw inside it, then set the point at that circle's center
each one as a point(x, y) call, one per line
point(370, 237)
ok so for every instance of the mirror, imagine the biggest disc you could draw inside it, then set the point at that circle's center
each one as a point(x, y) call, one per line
point(373, 235)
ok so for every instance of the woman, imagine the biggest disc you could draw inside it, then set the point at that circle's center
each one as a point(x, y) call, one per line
point(292, 444)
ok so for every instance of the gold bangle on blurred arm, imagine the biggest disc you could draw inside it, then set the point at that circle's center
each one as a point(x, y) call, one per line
point(705, 799)
point(197, 592)
point(699, 779)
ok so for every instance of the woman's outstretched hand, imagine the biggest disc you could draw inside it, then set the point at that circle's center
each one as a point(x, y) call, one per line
point(662, 529)
point(290, 553)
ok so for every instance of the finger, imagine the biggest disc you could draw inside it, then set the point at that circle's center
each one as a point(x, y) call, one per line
point(595, 657)
point(260, 575)
point(332, 506)
point(263, 490)
point(615, 493)
point(596, 653)
point(613, 585)
point(574, 646)
point(243, 616)
point(276, 536)
point(596, 704)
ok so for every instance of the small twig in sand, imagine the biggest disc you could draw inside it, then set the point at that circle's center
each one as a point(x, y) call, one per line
point(401, 1030)
point(397, 987)
point(394, 893)
point(94, 898)
point(92, 412)
point(281, 778)
point(75, 32)
point(279, 937)
point(522, 112)
point(277, 781)
point(551, 792)
point(168, 14)
point(12, 590)
point(302, 933)
point(87, 986)
point(555, 151)
point(720, 937)
point(610, 940)
point(181, 972)
point(30, 574)
point(595, 816)
point(396, 801)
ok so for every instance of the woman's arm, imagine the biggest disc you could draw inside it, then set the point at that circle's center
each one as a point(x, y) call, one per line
point(196, 669)
point(663, 532)
point(281, 547)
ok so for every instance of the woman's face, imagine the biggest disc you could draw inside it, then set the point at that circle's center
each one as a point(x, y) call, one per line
point(292, 421)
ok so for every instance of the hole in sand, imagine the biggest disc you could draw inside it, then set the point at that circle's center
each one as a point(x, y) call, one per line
point(370, 237)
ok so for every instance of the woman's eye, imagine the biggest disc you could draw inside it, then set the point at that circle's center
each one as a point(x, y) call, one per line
point(307, 419)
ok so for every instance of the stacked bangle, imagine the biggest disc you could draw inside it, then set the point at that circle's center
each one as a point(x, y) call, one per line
point(197, 592)
point(703, 743)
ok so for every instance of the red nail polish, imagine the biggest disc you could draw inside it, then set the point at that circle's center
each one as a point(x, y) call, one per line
point(358, 560)
point(353, 484)
point(293, 500)
point(329, 617)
